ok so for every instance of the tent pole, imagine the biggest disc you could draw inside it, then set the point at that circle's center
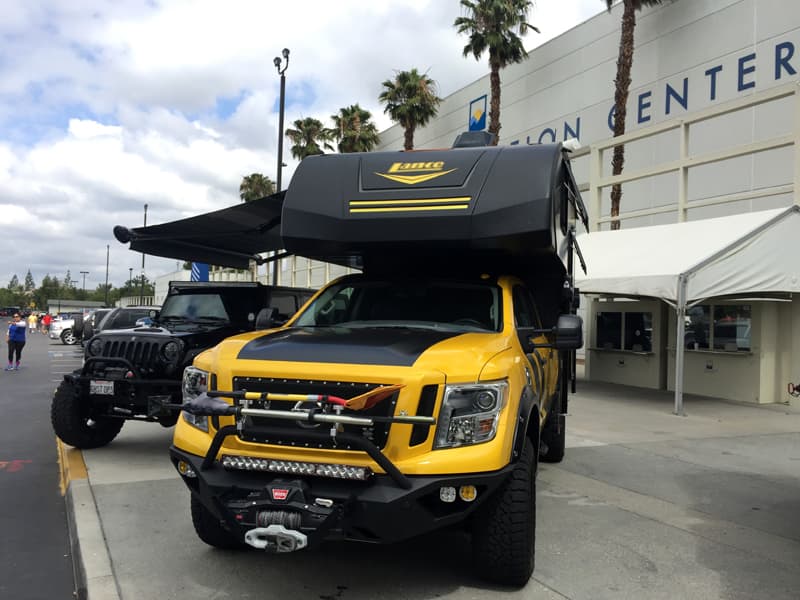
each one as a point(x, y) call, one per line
point(680, 312)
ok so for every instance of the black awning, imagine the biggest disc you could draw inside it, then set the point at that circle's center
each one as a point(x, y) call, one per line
point(230, 237)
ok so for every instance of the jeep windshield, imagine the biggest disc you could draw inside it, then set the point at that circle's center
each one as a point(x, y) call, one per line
point(194, 308)
point(426, 304)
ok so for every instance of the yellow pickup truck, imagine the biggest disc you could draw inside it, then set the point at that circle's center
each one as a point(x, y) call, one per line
point(418, 394)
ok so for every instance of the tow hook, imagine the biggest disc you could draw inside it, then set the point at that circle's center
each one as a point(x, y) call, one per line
point(276, 539)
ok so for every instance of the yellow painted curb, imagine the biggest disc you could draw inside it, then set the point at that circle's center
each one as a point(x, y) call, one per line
point(70, 461)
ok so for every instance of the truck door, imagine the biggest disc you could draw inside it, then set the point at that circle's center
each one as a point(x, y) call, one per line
point(542, 362)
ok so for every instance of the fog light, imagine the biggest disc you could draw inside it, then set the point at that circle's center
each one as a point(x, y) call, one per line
point(447, 494)
point(186, 469)
point(467, 493)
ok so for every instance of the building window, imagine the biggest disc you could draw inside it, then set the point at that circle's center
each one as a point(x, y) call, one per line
point(609, 330)
point(728, 330)
point(625, 331)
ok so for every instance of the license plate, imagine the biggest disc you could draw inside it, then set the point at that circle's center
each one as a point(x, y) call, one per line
point(101, 388)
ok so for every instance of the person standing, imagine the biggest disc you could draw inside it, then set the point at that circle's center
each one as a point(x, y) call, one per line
point(32, 322)
point(16, 341)
point(46, 320)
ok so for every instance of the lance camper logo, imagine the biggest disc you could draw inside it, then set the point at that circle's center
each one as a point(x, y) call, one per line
point(412, 173)
point(477, 114)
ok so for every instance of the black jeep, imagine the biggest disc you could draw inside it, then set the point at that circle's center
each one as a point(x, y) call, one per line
point(133, 373)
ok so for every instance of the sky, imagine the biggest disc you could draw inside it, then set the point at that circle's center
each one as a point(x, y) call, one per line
point(108, 105)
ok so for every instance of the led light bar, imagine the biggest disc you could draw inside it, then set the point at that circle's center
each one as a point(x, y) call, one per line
point(250, 463)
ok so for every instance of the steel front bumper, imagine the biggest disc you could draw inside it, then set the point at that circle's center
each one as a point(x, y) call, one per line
point(377, 510)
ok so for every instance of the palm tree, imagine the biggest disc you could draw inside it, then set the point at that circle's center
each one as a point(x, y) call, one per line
point(353, 129)
point(307, 136)
point(255, 186)
point(496, 26)
point(622, 84)
point(411, 101)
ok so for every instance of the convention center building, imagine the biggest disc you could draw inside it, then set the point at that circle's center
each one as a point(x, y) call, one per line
point(698, 291)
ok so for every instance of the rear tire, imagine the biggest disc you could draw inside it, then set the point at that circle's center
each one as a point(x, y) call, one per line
point(554, 438)
point(68, 337)
point(504, 529)
point(210, 530)
point(70, 416)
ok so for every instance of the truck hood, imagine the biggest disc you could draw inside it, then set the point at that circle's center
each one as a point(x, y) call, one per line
point(391, 346)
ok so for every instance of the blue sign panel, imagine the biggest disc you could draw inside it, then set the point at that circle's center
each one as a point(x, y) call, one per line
point(199, 271)
point(477, 114)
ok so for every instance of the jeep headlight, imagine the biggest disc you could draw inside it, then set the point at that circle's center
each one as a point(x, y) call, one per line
point(95, 347)
point(195, 382)
point(172, 350)
point(469, 413)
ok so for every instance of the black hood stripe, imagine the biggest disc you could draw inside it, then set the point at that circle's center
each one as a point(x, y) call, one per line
point(374, 346)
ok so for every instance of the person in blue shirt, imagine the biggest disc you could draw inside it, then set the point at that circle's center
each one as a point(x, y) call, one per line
point(16, 341)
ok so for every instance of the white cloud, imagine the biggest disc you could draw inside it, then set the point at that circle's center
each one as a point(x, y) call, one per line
point(111, 105)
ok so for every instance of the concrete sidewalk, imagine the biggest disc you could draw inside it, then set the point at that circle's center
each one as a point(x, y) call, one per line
point(645, 505)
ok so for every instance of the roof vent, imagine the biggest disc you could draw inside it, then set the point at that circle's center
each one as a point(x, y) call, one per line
point(473, 139)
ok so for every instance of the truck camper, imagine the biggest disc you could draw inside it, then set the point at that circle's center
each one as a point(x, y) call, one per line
point(418, 394)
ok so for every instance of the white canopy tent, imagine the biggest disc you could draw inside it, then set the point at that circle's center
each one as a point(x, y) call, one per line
point(685, 263)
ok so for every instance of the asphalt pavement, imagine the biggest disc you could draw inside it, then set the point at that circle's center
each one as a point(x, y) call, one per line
point(33, 516)
point(645, 505)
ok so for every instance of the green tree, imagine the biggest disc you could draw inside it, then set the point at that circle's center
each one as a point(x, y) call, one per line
point(29, 285)
point(411, 101)
point(496, 26)
point(622, 84)
point(353, 129)
point(255, 186)
point(309, 137)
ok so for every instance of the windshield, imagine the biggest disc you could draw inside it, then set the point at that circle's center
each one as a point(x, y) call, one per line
point(194, 307)
point(406, 303)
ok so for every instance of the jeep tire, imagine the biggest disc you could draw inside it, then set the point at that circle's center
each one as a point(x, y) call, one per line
point(210, 529)
point(504, 528)
point(554, 437)
point(70, 416)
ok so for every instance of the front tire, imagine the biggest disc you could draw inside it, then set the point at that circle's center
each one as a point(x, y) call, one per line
point(68, 337)
point(210, 530)
point(504, 530)
point(73, 424)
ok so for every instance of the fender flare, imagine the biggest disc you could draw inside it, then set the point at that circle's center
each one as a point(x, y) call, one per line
point(528, 405)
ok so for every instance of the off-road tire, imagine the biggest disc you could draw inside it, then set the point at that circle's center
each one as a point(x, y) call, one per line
point(504, 528)
point(69, 415)
point(77, 326)
point(68, 337)
point(554, 437)
point(210, 530)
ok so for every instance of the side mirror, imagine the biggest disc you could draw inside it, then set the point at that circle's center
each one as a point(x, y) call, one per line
point(265, 319)
point(569, 332)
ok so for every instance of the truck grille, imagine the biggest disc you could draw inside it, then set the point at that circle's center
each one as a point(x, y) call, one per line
point(377, 434)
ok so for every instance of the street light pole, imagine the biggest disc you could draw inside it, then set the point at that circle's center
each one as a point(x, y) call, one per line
point(84, 273)
point(106, 297)
point(141, 288)
point(282, 73)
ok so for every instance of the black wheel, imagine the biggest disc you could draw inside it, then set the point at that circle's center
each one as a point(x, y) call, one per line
point(210, 529)
point(68, 337)
point(168, 421)
point(504, 529)
point(554, 436)
point(73, 424)
point(77, 326)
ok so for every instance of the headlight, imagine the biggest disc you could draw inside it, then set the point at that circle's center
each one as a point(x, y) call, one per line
point(469, 413)
point(172, 350)
point(95, 347)
point(195, 382)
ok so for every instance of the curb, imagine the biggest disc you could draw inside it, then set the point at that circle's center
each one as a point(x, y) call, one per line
point(94, 575)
